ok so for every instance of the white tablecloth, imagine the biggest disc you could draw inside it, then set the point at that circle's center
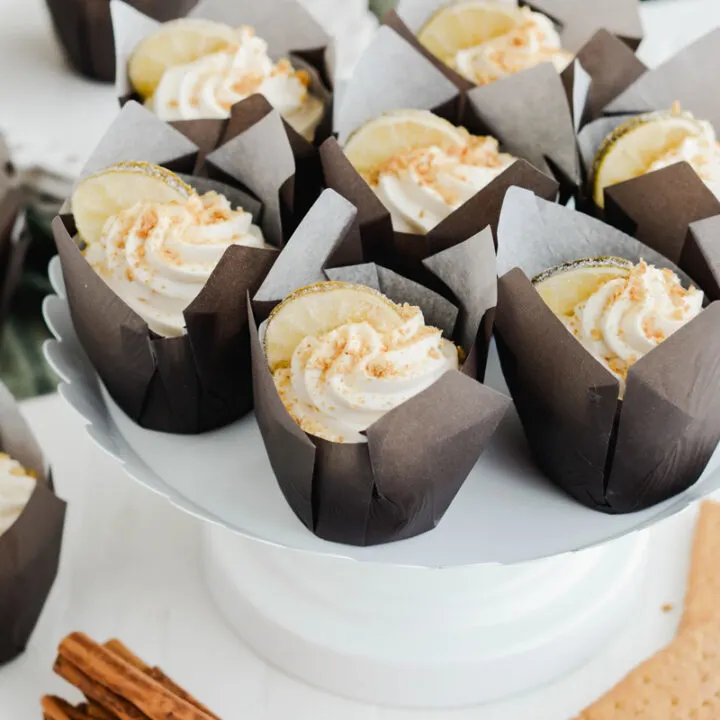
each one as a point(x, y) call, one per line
point(131, 568)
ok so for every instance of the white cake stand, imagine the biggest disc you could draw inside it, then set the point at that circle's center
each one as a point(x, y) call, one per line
point(415, 637)
point(517, 585)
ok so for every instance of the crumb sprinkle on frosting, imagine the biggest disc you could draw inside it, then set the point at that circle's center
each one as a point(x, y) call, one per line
point(158, 256)
point(531, 42)
point(209, 86)
point(626, 317)
point(423, 186)
point(341, 382)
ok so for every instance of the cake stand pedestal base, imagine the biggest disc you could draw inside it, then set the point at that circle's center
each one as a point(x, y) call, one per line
point(419, 637)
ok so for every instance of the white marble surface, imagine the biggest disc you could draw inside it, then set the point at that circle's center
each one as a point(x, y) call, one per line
point(132, 568)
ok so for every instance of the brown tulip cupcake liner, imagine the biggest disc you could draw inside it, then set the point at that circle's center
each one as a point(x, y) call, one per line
point(402, 480)
point(527, 113)
point(288, 28)
point(674, 83)
point(14, 236)
point(602, 70)
point(613, 455)
point(30, 548)
point(200, 380)
point(84, 29)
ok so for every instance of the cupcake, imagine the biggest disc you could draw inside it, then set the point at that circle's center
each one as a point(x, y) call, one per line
point(483, 41)
point(429, 168)
point(612, 359)
point(198, 68)
point(654, 141)
point(84, 28)
point(664, 118)
point(31, 527)
point(368, 394)
point(158, 266)
point(488, 39)
point(422, 167)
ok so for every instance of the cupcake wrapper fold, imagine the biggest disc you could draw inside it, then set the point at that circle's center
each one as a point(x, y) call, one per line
point(681, 79)
point(30, 549)
point(84, 28)
point(614, 456)
point(288, 28)
point(400, 483)
point(579, 20)
point(201, 380)
point(659, 208)
point(603, 68)
point(528, 113)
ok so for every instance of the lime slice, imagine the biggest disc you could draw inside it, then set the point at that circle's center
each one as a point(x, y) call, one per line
point(564, 286)
point(398, 132)
point(466, 25)
point(118, 187)
point(317, 309)
point(175, 43)
point(632, 148)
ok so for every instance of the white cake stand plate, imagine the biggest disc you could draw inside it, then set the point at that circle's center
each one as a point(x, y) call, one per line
point(419, 637)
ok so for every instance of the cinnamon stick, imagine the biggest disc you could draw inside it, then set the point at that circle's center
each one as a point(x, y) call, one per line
point(168, 683)
point(98, 712)
point(94, 690)
point(55, 708)
point(156, 673)
point(126, 654)
point(124, 681)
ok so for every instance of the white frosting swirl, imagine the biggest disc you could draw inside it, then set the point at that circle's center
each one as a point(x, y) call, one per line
point(211, 85)
point(158, 257)
point(16, 487)
point(342, 382)
point(423, 187)
point(702, 152)
point(532, 41)
point(627, 317)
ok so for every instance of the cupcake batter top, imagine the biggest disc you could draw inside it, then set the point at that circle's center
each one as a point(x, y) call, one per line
point(211, 85)
point(340, 383)
point(16, 487)
point(158, 257)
